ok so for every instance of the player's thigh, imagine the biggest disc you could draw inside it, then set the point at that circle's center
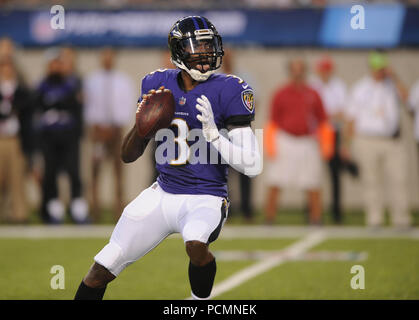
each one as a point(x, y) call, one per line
point(205, 217)
point(141, 227)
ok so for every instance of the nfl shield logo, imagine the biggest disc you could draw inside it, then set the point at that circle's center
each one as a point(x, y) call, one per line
point(248, 100)
point(182, 101)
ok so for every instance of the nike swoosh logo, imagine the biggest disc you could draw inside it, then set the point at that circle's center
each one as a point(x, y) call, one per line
point(244, 87)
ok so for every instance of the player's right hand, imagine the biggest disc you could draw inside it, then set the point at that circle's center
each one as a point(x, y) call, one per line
point(209, 128)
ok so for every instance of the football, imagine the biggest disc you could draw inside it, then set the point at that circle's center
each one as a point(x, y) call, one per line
point(155, 114)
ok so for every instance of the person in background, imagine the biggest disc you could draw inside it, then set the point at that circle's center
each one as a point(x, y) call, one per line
point(68, 61)
point(8, 51)
point(7, 56)
point(413, 103)
point(59, 124)
point(333, 93)
point(7, 48)
point(15, 133)
point(245, 183)
point(110, 104)
point(374, 117)
point(297, 135)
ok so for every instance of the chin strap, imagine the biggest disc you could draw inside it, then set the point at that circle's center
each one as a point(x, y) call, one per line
point(195, 74)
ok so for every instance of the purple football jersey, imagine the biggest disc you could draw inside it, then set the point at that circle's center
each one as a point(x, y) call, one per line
point(232, 102)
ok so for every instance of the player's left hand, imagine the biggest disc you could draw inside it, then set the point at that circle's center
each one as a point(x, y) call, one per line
point(209, 128)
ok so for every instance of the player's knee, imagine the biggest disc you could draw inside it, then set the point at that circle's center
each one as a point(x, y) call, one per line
point(98, 276)
point(198, 252)
point(112, 258)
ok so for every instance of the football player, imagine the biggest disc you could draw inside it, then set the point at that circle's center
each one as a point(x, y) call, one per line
point(187, 198)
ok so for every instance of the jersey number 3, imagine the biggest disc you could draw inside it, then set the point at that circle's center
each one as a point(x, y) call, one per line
point(183, 147)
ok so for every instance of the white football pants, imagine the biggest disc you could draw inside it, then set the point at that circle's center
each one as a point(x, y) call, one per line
point(155, 214)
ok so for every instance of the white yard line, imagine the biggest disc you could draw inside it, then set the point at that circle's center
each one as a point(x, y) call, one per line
point(242, 255)
point(338, 232)
point(293, 251)
point(228, 232)
point(63, 231)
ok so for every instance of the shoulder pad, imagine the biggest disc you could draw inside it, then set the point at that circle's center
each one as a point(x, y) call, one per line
point(237, 78)
point(155, 73)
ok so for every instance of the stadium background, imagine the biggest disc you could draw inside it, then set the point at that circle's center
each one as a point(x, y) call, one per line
point(266, 34)
point(262, 35)
point(255, 63)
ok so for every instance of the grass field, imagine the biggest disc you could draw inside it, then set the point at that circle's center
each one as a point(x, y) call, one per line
point(252, 263)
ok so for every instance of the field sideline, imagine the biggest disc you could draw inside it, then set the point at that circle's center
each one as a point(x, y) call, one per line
point(254, 262)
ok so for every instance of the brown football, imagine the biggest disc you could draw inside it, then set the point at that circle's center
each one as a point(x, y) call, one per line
point(155, 114)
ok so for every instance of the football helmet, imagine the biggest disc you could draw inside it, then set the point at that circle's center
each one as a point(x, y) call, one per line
point(195, 47)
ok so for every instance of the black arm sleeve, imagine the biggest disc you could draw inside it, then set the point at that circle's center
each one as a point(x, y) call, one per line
point(240, 120)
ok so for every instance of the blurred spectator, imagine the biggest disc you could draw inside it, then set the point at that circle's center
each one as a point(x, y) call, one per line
point(15, 122)
point(59, 115)
point(110, 102)
point(297, 121)
point(7, 55)
point(414, 108)
point(7, 48)
point(332, 91)
point(8, 51)
point(374, 116)
point(68, 62)
point(244, 181)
